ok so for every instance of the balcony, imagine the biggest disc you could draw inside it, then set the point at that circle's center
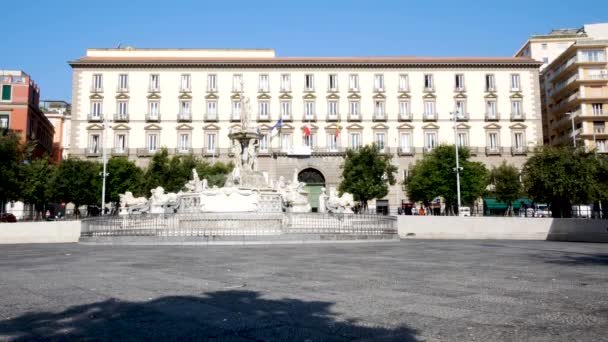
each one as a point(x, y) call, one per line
point(405, 151)
point(309, 118)
point(462, 117)
point(332, 118)
point(429, 89)
point(96, 90)
point(263, 118)
point(404, 90)
point(492, 116)
point(185, 90)
point(429, 117)
point(428, 149)
point(153, 89)
point(121, 90)
point(379, 89)
point(285, 89)
point(184, 117)
point(211, 117)
point(379, 117)
point(596, 77)
point(518, 117)
point(493, 151)
point(519, 150)
point(287, 118)
point(460, 89)
point(354, 118)
point(92, 117)
point(121, 117)
point(211, 152)
point(235, 117)
point(153, 117)
point(120, 151)
point(405, 117)
point(328, 151)
point(146, 152)
point(183, 150)
point(92, 152)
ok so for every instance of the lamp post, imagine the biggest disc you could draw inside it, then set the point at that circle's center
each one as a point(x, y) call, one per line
point(104, 161)
point(573, 132)
point(458, 168)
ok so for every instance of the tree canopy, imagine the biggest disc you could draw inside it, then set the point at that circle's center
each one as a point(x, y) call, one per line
point(77, 181)
point(506, 184)
point(36, 188)
point(434, 176)
point(366, 174)
point(12, 154)
point(123, 176)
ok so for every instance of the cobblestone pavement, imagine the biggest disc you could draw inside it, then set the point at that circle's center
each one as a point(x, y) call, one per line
point(398, 291)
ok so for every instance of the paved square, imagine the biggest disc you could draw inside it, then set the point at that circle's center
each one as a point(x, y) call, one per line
point(398, 291)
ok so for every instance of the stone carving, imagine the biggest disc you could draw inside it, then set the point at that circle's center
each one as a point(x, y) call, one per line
point(322, 199)
point(295, 197)
point(196, 185)
point(160, 200)
point(338, 204)
point(130, 203)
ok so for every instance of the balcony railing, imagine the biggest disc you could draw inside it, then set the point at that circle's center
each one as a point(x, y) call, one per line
point(264, 117)
point(95, 89)
point(235, 117)
point(405, 151)
point(184, 117)
point(518, 116)
point(460, 89)
point(120, 151)
point(185, 89)
point(92, 152)
point(429, 117)
point(183, 150)
point(94, 117)
point(328, 150)
point(120, 89)
point(428, 149)
point(379, 117)
point(354, 117)
point(121, 117)
point(429, 89)
point(492, 150)
point(492, 116)
point(146, 152)
point(286, 117)
point(333, 117)
point(211, 117)
point(153, 89)
point(309, 117)
point(405, 117)
point(600, 77)
point(462, 117)
point(211, 152)
point(153, 117)
point(519, 150)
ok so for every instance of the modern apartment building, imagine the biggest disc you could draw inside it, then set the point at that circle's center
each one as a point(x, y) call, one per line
point(573, 84)
point(187, 101)
point(20, 112)
point(59, 114)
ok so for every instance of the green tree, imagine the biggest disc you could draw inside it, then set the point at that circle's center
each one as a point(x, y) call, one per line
point(123, 176)
point(507, 186)
point(434, 176)
point(366, 174)
point(77, 181)
point(562, 176)
point(12, 154)
point(36, 188)
point(158, 172)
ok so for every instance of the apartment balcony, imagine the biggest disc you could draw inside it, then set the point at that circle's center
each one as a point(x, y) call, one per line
point(264, 90)
point(354, 118)
point(596, 77)
point(120, 151)
point(285, 90)
point(185, 90)
point(519, 150)
point(122, 90)
point(153, 89)
point(428, 149)
point(211, 152)
point(405, 117)
point(211, 90)
point(235, 118)
point(518, 117)
point(264, 118)
point(492, 116)
point(573, 64)
point(428, 89)
point(429, 117)
point(460, 89)
point(493, 151)
point(328, 151)
point(153, 117)
point(309, 118)
point(405, 151)
point(92, 152)
point(462, 117)
point(562, 88)
point(184, 117)
point(379, 90)
point(146, 152)
point(332, 118)
point(94, 117)
point(211, 117)
point(491, 89)
point(379, 117)
point(354, 90)
point(121, 117)
point(183, 150)
point(287, 118)
point(309, 90)
point(404, 90)
point(96, 90)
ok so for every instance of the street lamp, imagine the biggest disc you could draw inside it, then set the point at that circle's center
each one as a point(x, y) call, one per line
point(458, 168)
point(104, 161)
point(573, 132)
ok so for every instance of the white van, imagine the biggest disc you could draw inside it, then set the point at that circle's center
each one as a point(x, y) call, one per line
point(464, 211)
point(581, 211)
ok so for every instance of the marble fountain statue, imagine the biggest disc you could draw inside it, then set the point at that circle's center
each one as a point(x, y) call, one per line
point(246, 190)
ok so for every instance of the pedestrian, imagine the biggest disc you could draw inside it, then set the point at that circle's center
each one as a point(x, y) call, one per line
point(421, 211)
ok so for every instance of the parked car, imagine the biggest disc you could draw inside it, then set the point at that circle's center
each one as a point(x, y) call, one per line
point(542, 210)
point(464, 211)
point(581, 211)
point(7, 217)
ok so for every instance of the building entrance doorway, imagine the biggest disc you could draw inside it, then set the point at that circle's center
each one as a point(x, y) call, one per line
point(314, 182)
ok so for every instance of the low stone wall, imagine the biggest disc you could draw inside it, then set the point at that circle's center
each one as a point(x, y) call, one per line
point(496, 228)
point(40, 232)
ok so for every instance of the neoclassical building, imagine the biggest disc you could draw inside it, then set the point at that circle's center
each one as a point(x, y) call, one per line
point(187, 101)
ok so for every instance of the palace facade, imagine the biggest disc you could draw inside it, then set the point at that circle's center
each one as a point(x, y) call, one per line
point(188, 100)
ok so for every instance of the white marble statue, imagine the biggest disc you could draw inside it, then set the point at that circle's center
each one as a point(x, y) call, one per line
point(159, 200)
point(322, 200)
point(339, 204)
point(228, 199)
point(128, 203)
point(195, 185)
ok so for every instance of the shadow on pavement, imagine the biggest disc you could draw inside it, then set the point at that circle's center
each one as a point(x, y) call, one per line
point(216, 316)
point(578, 260)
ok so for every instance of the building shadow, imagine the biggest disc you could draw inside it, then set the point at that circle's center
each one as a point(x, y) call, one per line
point(217, 316)
point(578, 260)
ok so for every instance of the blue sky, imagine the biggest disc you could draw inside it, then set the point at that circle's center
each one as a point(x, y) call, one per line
point(44, 35)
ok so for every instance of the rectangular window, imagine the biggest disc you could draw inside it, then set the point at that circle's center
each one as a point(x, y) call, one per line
point(264, 110)
point(94, 141)
point(211, 110)
point(516, 111)
point(154, 82)
point(309, 110)
point(264, 83)
point(601, 146)
point(592, 56)
point(121, 143)
point(515, 82)
point(237, 83)
point(379, 109)
point(333, 82)
point(597, 108)
point(355, 141)
point(211, 145)
point(6, 92)
point(309, 82)
point(285, 142)
point(184, 107)
point(264, 143)
point(379, 82)
point(404, 110)
point(491, 112)
point(430, 140)
point(123, 82)
point(123, 107)
point(543, 46)
point(4, 121)
point(153, 109)
point(97, 82)
point(463, 139)
point(286, 110)
point(429, 108)
point(490, 83)
point(518, 140)
point(429, 84)
point(152, 142)
point(459, 82)
point(332, 142)
point(354, 112)
point(96, 109)
point(380, 140)
point(309, 140)
point(184, 142)
point(405, 142)
point(332, 109)
point(493, 141)
point(353, 82)
point(461, 110)
point(211, 82)
point(185, 82)
point(236, 110)
point(404, 82)
point(285, 82)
